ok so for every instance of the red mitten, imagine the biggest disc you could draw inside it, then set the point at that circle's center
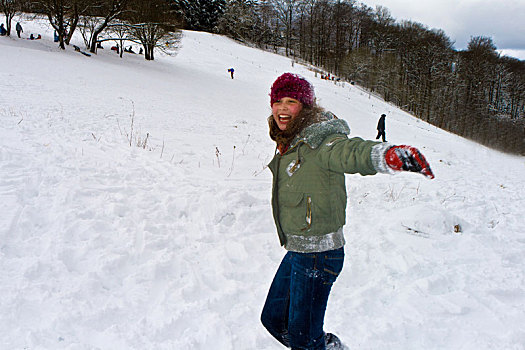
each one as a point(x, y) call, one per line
point(408, 158)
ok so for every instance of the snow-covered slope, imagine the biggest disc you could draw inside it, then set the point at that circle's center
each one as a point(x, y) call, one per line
point(104, 245)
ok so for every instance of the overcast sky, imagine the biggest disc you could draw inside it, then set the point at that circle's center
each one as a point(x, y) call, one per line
point(502, 20)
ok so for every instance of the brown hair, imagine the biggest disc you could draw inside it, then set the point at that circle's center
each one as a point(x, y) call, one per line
point(307, 117)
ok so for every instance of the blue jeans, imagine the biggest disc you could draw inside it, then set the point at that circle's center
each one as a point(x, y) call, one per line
point(296, 303)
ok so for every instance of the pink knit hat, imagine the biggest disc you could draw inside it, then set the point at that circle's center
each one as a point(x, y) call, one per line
point(293, 86)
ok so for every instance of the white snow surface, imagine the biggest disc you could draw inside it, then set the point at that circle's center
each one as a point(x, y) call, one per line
point(104, 245)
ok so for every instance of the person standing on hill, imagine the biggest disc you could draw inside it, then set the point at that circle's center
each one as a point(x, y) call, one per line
point(3, 31)
point(19, 29)
point(381, 130)
point(309, 199)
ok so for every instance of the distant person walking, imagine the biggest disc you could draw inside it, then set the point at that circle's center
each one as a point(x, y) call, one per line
point(231, 70)
point(19, 29)
point(381, 128)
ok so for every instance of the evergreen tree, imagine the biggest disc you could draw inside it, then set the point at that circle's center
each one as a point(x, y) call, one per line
point(239, 20)
point(200, 14)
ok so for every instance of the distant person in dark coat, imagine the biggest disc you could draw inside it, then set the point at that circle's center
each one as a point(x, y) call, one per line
point(2, 30)
point(19, 29)
point(381, 128)
point(231, 72)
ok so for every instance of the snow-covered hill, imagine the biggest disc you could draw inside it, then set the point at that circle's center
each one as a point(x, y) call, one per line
point(104, 245)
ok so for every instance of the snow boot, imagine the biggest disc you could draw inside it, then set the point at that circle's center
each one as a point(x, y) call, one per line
point(333, 342)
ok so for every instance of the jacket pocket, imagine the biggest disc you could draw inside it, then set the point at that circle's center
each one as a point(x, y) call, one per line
point(295, 212)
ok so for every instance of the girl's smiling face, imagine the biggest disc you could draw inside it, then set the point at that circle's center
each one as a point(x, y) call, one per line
point(284, 110)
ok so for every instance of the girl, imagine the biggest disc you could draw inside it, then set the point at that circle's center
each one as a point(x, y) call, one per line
point(309, 203)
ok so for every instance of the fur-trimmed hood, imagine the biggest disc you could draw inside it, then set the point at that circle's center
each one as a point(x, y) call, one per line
point(313, 135)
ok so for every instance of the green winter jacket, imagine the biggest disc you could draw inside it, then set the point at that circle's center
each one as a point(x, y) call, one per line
point(309, 193)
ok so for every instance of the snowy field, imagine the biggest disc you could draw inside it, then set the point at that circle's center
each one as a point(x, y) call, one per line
point(172, 245)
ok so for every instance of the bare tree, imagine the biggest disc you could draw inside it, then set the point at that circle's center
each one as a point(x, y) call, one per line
point(108, 10)
point(64, 16)
point(286, 12)
point(154, 35)
point(10, 8)
point(86, 26)
point(382, 30)
point(78, 8)
point(120, 33)
point(153, 25)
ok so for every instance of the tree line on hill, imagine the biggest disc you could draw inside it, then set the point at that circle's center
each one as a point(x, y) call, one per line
point(475, 93)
